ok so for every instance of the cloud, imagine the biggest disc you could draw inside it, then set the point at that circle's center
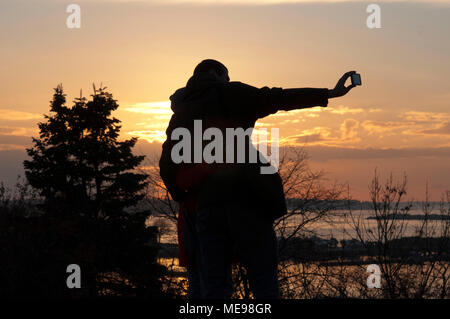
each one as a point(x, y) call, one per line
point(160, 107)
point(11, 115)
point(18, 131)
point(156, 118)
point(379, 127)
point(442, 129)
point(342, 110)
point(308, 112)
point(306, 138)
point(278, 123)
point(149, 135)
point(311, 136)
point(349, 128)
point(411, 123)
point(347, 133)
point(424, 117)
point(15, 140)
point(13, 130)
point(324, 153)
point(146, 148)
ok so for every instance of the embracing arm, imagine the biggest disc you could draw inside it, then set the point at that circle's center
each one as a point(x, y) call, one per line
point(168, 169)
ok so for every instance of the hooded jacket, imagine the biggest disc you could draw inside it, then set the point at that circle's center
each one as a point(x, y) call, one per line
point(231, 105)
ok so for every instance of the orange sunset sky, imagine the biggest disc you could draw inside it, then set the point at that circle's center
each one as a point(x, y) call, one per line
point(398, 121)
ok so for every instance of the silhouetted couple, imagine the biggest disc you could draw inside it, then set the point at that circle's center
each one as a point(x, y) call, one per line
point(227, 209)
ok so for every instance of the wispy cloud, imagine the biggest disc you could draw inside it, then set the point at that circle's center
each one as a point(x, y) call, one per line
point(16, 138)
point(342, 110)
point(419, 116)
point(160, 107)
point(18, 131)
point(349, 128)
point(309, 112)
point(23, 141)
point(12, 115)
point(383, 127)
point(350, 131)
point(150, 135)
point(11, 147)
point(329, 152)
point(321, 135)
point(156, 116)
point(441, 129)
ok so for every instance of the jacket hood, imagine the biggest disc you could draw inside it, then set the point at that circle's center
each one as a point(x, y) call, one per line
point(195, 87)
point(176, 99)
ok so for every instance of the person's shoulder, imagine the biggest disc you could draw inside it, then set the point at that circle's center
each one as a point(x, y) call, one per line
point(239, 87)
point(239, 84)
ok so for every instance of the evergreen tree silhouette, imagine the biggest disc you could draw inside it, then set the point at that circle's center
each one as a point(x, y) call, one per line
point(90, 212)
point(78, 164)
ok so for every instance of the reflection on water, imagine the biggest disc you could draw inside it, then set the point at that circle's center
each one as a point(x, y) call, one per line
point(321, 280)
point(340, 277)
point(337, 225)
point(340, 225)
point(176, 280)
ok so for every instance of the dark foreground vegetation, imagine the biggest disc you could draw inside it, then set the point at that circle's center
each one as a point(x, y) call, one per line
point(87, 200)
point(412, 263)
point(78, 206)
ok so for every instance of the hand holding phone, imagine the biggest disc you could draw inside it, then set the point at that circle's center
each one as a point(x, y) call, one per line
point(340, 89)
point(356, 79)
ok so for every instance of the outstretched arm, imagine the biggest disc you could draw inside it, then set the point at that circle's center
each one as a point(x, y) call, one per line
point(258, 103)
point(310, 97)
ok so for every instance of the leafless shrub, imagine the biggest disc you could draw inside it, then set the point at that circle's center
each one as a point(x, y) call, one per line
point(418, 268)
point(412, 265)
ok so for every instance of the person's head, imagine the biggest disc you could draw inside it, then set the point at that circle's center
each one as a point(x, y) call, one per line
point(213, 67)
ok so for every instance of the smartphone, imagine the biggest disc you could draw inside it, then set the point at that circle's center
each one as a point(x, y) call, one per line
point(356, 79)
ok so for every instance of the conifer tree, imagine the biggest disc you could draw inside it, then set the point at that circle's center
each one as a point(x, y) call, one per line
point(79, 165)
point(90, 189)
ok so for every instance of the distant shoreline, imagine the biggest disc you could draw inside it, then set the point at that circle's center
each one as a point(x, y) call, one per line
point(412, 217)
point(293, 203)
